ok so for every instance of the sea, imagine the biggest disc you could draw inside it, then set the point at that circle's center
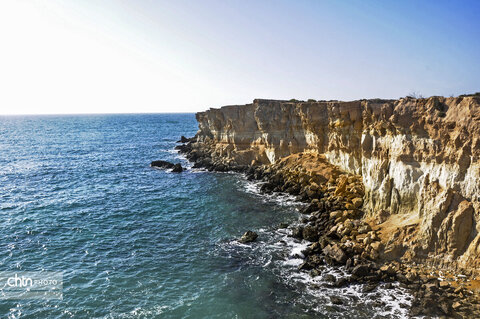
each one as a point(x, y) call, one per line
point(78, 196)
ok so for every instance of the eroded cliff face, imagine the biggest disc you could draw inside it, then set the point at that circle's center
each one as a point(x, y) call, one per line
point(418, 158)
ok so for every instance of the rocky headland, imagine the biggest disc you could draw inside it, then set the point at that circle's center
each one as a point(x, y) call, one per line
point(392, 187)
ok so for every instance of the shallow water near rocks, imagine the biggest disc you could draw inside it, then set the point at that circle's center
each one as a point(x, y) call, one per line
point(77, 195)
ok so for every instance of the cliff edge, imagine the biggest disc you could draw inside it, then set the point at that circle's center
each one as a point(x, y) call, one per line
point(418, 160)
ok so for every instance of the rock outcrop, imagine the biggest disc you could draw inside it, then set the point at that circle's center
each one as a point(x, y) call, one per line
point(418, 160)
point(248, 237)
point(176, 168)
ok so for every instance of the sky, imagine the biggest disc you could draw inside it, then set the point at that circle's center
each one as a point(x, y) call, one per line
point(101, 56)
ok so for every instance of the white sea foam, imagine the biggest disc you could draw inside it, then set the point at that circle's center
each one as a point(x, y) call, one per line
point(391, 303)
point(253, 187)
point(185, 162)
point(385, 302)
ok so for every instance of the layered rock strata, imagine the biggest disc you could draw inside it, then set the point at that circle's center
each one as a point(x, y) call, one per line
point(340, 235)
point(418, 160)
point(390, 185)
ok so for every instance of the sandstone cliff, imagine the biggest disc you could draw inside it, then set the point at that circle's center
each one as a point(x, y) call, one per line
point(418, 158)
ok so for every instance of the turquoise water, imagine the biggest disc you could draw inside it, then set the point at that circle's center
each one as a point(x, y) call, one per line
point(77, 195)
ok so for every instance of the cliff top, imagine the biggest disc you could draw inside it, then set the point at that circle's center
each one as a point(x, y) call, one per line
point(422, 101)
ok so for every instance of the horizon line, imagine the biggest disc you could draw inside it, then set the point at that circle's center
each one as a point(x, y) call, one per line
point(414, 95)
point(100, 113)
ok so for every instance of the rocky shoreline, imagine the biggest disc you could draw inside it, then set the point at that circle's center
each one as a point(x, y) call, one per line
point(340, 231)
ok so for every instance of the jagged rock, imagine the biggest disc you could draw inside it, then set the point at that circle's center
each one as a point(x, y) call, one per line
point(377, 246)
point(309, 209)
point(456, 228)
point(364, 229)
point(370, 287)
point(310, 233)
point(297, 232)
point(183, 139)
point(382, 216)
point(367, 241)
point(249, 236)
point(305, 266)
point(336, 214)
point(315, 272)
point(341, 282)
point(336, 300)
point(442, 284)
point(361, 270)
point(388, 269)
point(336, 253)
point(162, 164)
point(315, 260)
point(419, 160)
point(177, 168)
point(357, 202)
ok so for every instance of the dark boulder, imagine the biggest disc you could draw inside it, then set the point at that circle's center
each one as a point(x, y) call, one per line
point(336, 253)
point(177, 168)
point(297, 232)
point(266, 188)
point(305, 266)
point(307, 251)
point(341, 282)
point(309, 209)
point(310, 233)
point(219, 167)
point(185, 148)
point(293, 190)
point(336, 300)
point(248, 237)
point(315, 260)
point(203, 163)
point(361, 270)
point(240, 168)
point(369, 287)
point(162, 164)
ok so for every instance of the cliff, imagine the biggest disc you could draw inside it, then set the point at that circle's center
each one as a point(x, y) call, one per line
point(418, 159)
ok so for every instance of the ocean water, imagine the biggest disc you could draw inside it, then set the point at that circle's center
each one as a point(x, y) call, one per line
point(77, 195)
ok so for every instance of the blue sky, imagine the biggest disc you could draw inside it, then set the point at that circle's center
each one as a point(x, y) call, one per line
point(184, 56)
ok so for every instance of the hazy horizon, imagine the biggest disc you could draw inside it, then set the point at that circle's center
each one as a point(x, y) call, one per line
point(94, 57)
point(186, 112)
